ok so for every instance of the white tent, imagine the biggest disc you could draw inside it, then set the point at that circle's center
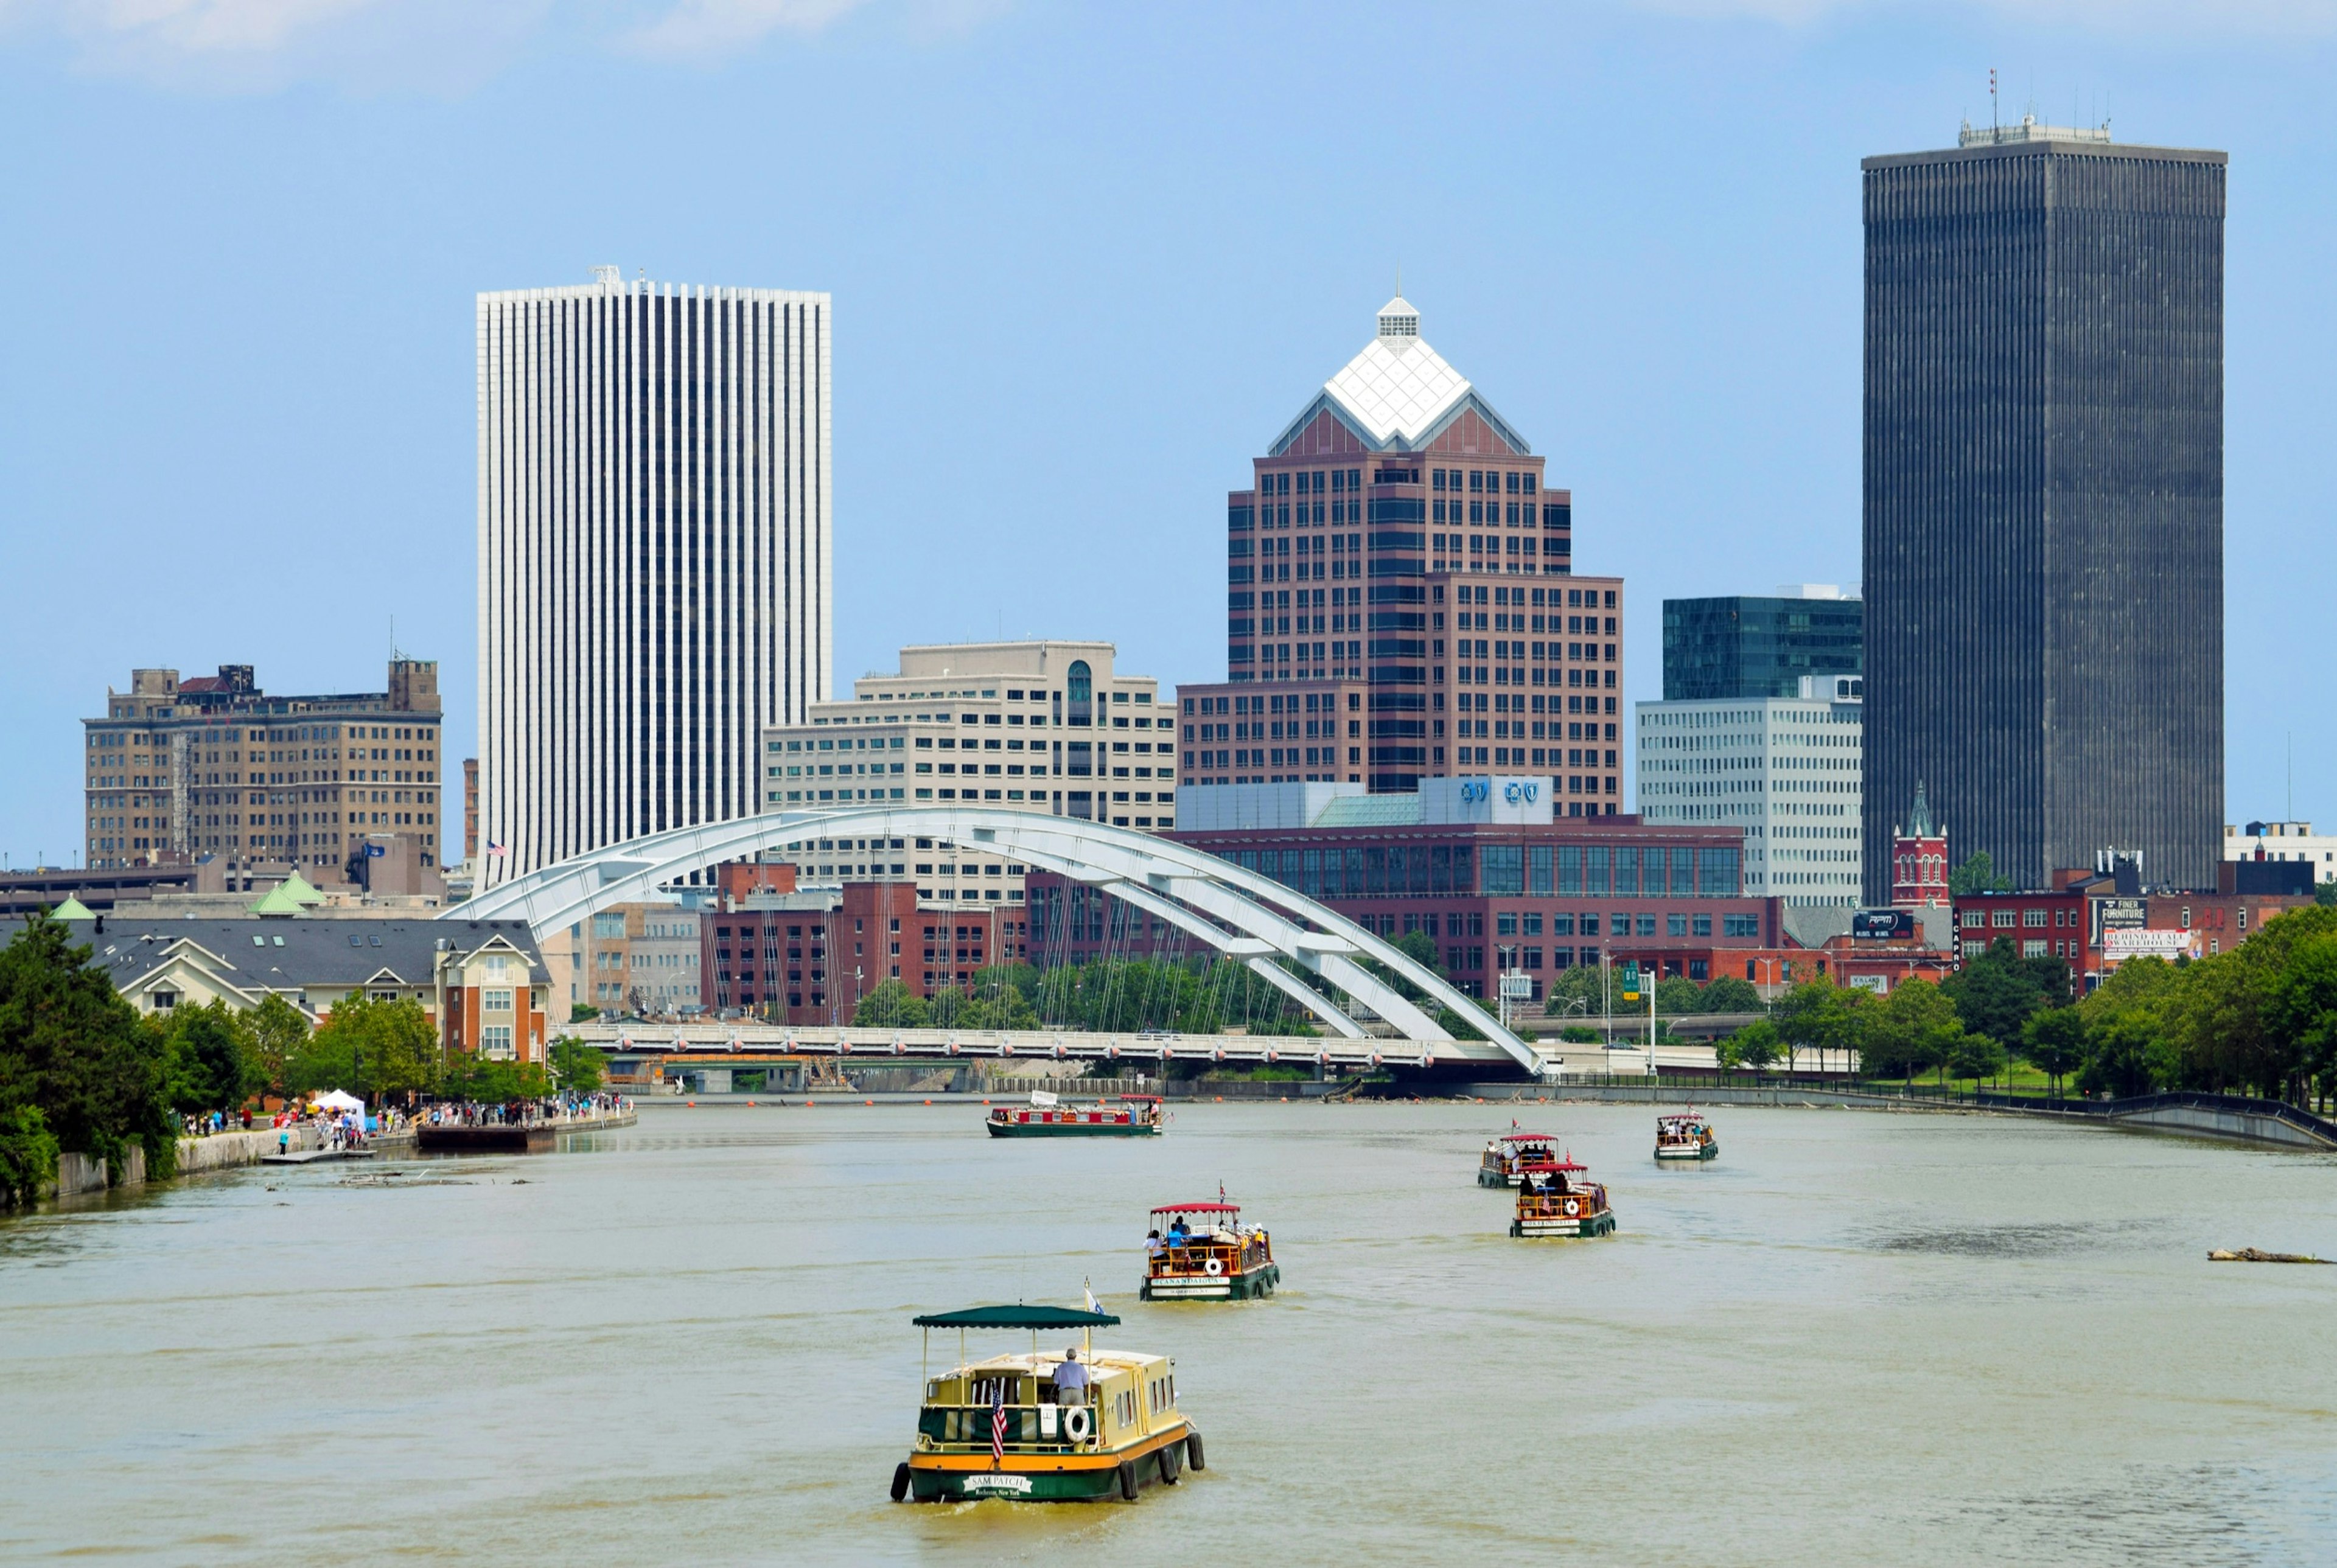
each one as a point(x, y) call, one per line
point(335, 1100)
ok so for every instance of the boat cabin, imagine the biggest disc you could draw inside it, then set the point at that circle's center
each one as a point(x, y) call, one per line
point(1011, 1424)
point(1686, 1136)
point(1133, 1115)
point(1202, 1252)
point(1562, 1202)
point(1508, 1157)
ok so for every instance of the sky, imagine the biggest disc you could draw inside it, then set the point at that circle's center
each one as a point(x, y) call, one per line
point(1087, 262)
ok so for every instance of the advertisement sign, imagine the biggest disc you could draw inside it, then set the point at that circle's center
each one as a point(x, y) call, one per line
point(2130, 943)
point(1879, 984)
point(2120, 914)
point(1877, 925)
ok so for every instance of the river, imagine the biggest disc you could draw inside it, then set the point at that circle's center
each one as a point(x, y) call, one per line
point(1855, 1338)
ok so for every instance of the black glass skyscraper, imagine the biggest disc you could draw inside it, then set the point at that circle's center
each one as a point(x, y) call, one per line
point(1745, 644)
point(2044, 500)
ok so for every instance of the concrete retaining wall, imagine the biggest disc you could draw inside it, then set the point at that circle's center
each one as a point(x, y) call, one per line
point(79, 1173)
point(2201, 1121)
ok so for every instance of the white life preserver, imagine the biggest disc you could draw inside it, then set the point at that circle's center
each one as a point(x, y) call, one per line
point(1078, 1424)
point(1214, 1267)
point(1572, 1207)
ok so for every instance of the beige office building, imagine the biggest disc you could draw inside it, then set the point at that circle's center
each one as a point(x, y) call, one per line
point(214, 769)
point(1046, 727)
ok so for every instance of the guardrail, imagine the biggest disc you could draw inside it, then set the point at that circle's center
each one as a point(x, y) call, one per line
point(715, 1040)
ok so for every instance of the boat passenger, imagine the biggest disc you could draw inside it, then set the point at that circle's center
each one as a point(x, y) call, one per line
point(1072, 1379)
point(1152, 1245)
point(1177, 1234)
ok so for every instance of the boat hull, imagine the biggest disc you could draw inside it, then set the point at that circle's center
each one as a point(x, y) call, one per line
point(489, 1138)
point(1567, 1226)
point(1262, 1280)
point(1687, 1156)
point(1072, 1130)
point(1053, 1478)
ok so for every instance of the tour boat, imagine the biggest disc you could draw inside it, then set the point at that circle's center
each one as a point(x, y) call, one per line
point(1559, 1203)
point(1685, 1137)
point(1000, 1426)
point(1221, 1260)
point(1134, 1116)
point(1508, 1158)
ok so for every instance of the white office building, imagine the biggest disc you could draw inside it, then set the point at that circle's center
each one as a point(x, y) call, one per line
point(654, 510)
point(2282, 842)
point(1047, 726)
point(1786, 770)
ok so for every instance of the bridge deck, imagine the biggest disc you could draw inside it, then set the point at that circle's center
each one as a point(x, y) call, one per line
point(872, 1046)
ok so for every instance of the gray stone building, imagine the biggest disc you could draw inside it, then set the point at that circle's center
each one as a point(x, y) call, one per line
point(2043, 500)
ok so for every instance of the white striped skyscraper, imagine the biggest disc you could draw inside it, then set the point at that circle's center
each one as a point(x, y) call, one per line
point(654, 503)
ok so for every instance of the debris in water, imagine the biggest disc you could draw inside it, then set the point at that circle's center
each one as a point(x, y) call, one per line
point(2250, 1255)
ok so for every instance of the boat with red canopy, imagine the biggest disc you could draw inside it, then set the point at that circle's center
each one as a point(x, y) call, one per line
point(1562, 1202)
point(1133, 1116)
point(1203, 1252)
point(1510, 1157)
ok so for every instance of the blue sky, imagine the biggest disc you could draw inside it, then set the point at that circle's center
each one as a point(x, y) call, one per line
point(1087, 262)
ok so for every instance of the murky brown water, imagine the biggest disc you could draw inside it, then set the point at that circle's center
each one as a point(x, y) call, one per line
point(1856, 1338)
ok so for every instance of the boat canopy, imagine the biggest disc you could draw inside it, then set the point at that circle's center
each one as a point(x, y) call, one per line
point(1527, 1138)
point(1197, 1209)
point(1016, 1317)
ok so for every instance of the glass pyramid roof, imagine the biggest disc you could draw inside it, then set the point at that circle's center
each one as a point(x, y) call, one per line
point(1398, 392)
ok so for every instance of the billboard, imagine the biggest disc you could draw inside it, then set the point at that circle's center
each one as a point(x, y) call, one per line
point(1880, 924)
point(2130, 942)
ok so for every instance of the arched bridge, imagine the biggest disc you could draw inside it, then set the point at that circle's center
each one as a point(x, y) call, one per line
point(1243, 916)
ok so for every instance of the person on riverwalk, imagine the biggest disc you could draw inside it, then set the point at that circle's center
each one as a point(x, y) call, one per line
point(1072, 1379)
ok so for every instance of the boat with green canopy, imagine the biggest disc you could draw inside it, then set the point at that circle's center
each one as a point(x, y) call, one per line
point(1079, 1425)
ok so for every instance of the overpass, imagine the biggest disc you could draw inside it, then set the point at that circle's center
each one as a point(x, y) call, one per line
point(1313, 954)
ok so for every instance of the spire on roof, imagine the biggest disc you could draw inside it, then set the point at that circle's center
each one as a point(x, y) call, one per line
point(1919, 822)
point(1399, 319)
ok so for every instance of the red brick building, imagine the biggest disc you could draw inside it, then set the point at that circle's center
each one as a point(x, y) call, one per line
point(2093, 922)
point(808, 955)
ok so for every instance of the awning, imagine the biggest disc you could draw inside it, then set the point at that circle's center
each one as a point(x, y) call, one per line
point(1016, 1317)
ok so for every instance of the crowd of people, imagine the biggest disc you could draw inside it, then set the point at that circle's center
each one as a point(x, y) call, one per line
point(515, 1113)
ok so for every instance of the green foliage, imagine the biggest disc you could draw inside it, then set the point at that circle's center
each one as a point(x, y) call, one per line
point(214, 1060)
point(578, 1067)
point(1817, 1015)
point(74, 1050)
point(278, 1032)
point(1677, 996)
point(1578, 1034)
point(29, 1157)
point(1757, 1046)
point(2054, 1040)
point(368, 1048)
point(2325, 894)
point(1977, 875)
point(1912, 1028)
point(491, 1082)
point(1996, 991)
point(1730, 995)
point(891, 1005)
point(1976, 1056)
point(1572, 986)
point(581, 1012)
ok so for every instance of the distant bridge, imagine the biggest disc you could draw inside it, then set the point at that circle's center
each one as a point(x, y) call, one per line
point(1253, 920)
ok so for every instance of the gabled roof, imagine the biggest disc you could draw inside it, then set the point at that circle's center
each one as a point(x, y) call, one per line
point(1398, 395)
point(291, 954)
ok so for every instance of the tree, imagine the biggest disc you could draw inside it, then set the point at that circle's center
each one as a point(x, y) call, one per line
point(1677, 996)
point(277, 1031)
point(1994, 995)
point(74, 1050)
point(891, 1005)
point(29, 1157)
point(1575, 992)
point(1915, 1027)
point(578, 1067)
point(1578, 1034)
point(2302, 1005)
point(213, 1059)
point(1818, 1016)
point(2054, 1040)
point(368, 1048)
point(1730, 995)
point(1975, 1057)
point(1756, 1044)
point(2126, 1050)
point(1977, 875)
point(2325, 894)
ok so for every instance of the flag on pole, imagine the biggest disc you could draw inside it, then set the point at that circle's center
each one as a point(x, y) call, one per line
point(998, 1421)
point(1089, 1294)
point(1221, 1191)
point(496, 850)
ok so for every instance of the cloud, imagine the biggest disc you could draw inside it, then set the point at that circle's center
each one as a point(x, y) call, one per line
point(2140, 19)
point(715, 27)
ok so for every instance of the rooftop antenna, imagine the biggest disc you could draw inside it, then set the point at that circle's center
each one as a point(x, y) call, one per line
point(1991, 100)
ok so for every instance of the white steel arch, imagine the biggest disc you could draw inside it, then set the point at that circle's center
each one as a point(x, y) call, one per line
point(1190, 889)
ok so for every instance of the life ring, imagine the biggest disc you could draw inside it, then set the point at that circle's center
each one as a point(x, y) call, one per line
point(1572, 1206)
point(1078, 1424)
point(1213, 1268)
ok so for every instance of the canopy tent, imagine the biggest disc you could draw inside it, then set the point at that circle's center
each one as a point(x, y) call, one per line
point(337, 1100)
point(1016, 1317)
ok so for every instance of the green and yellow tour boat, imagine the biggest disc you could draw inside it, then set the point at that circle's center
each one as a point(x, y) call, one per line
point(1203, 1252)
point(1016, 1426)
point(1135, 1117)
point(1686, 1136)
point(1562, 1203)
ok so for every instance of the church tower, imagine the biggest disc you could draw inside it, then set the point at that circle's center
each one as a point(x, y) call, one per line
point(1919, 860)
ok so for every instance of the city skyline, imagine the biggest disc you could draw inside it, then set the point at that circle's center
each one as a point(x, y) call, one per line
point(1697, 391)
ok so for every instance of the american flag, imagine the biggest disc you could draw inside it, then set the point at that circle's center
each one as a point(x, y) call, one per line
point(998, 1422)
